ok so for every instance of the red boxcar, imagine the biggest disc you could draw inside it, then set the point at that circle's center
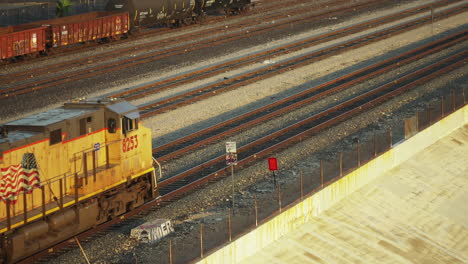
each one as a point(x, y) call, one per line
point(87, 27)
point(21, 40)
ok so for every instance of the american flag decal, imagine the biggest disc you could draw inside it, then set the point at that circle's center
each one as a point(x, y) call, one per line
point(16, 179)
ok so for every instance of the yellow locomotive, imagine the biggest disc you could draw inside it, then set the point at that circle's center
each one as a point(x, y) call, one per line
point(68, 169)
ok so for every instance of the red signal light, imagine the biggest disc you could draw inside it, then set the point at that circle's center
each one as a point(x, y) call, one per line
point(273, 164)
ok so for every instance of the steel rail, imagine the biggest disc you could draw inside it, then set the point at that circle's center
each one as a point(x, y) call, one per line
point(206, 136)
point(288, 65)
point(263, 6)
point(80, 74)
point(299, 131)
point(237, 63)
point(171, 196)
point(161, 43)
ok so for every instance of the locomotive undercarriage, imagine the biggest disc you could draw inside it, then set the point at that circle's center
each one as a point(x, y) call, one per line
point(39, 235)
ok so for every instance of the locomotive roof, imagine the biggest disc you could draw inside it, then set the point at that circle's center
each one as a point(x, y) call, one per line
point(50, 117)
point(76, 109)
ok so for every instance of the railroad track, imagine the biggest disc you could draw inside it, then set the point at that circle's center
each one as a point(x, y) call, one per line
point(153, 56)
point(175, 186)
point(213, 170)
point(160, 43)
point(213, 70)
point(263, 6)
point(189, 97)
point(212, 134)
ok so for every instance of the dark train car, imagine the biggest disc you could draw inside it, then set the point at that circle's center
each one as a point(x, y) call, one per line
point(153, 12)
point(84, 27)
point(229, 6)
point(21, 40)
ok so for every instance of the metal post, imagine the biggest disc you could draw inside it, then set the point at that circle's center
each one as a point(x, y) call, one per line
point(302, 184)
point(76, 188)
point(170, 251)
point(391, 137)
point(463, 94)
point(61, 194)
point(229, 225)
point(279, 197)
point(43, 202)
point(107, 157)
point(321, 173)
point(430, 116)
point(375, 145)
point(85, 167)
point(453, 100)
point(65, 181)
point(8, 214)
point(341, 164)
point(25, 208)
point(442, 107)
point(232, 177)
point(256, 210)
point(82, 251)
point(94, 166)
point(201, 240)
point(358, 154)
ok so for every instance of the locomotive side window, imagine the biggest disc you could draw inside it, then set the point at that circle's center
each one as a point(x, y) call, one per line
point(127, 125)
point(55, 136)
point(111, 125)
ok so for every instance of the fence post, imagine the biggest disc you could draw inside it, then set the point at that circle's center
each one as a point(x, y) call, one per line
point(442, 108)
point(8, 214)
point(61, 194)
point(25, 208)
point(85, 167)
point(302, 184)
point(358, 153)
point(201, 240)
point(391, 137)
point(170, 251)
point(279, 197)
point(229, 224)
point(256, 210)
point(341, 164)
point(375, 144)
point(94, 165)
point(321, 173)
point(453, 99)
point(107, 157)
point(43, 202)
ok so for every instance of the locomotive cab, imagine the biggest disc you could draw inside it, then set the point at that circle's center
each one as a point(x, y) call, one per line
point(68, 169)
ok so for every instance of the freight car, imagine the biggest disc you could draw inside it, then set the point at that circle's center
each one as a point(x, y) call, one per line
point(22, 40)
point(121, 17)
point(69, 169)
point(173, 12)
point(39, 37)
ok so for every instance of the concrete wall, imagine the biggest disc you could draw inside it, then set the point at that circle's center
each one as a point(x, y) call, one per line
point(315, 204)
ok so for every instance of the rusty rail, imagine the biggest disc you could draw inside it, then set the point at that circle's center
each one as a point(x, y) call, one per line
point(150, 109)
point(202, 138)
point(113, 66)
point(197, 184)
point(155, 44)
point(233, 64)
point(288, 136)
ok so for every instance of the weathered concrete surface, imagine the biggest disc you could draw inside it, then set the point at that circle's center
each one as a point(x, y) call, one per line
point(415, 213)
point(418, 217)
